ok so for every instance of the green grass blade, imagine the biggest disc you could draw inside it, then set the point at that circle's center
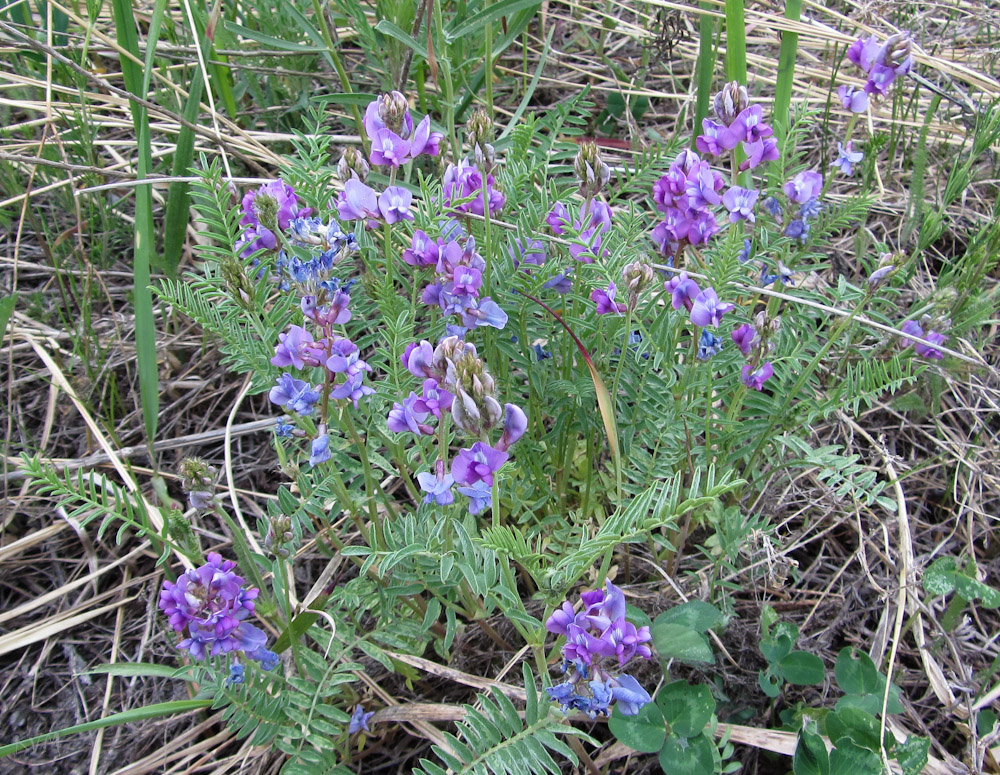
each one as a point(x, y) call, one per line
point(145, 245)
point(705, 67)
point(125, 717)
point(736, 42)
point(786, 70)
point(6, 310)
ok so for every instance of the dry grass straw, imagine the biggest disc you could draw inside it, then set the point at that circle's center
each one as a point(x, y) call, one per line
point(103, 585)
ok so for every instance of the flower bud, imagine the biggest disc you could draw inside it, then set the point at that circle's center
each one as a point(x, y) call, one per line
point(393, 109)
point(353, 164)
point(637, 276)
point(591, 170)
point(897, 49)
point(279, 536)
point(730, 102)
point(479, 129)
point(265, 207)
point(237, 282)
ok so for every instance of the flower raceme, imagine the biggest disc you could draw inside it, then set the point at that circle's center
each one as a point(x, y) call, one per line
point(599, 644)
point(213, 605)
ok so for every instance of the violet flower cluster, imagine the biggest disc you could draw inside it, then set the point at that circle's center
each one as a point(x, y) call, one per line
point(267, 212)
point(883, 63)
point(213, 605)
point(914, 328)
point(599, 644)
point(754, 342)
point(804, 190)
point(739, 124)
point(459, 278)
point(456, 383)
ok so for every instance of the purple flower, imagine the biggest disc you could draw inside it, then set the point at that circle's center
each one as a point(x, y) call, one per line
point(466, 280)
point(419, 358)
point(479, 495)
point(707, 310)
point(359, 720)
point(438, 488)
point(622, 640)
point(407, 416)
point(435, 399)
point(715, 139)
point(558, 218)
point(913, 328)
point(293, 349)
point(286, 206)
point(702, 227)
point(670, 191)
point(389, 149)
point(703, 186)
point(560, 283)
point(423, 250)
point(605, 300)
point(515, 423)
point(805, 186)
point(353, 388)
point(749, 125)
point(532, 253)
point(740, 201)
point(773, 206)
point(797, 229)
point(863, 52)
point(394, 204)
point(483, 312)
point(424, 140)
point(295, 394)
point(212, 603)
point(357, 202)
point(853, 99)
point(477, 464)
point(756, 378)
point(462, 189)
point(744, 336)
point(319, 452)
point(683, 290)
point(344, 357)
point(561, 618)
point(765, 149)
point(847, 158)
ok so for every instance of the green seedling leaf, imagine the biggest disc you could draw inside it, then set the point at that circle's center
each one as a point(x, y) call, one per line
point(696, 614)
point(688, 756)
point(913, 754)
point(856, 726)
point(686, 708)
point(849, 759)
point(973, 589)
point(939, 577)
point(769, 683)
point(802, 668)
point(675, 641)
point(864, 685)
point(645, 732)
point(776, 648)
point(811, 756)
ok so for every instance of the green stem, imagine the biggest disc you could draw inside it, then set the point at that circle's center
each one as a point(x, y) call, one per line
point(370, 483)
point(338, 65)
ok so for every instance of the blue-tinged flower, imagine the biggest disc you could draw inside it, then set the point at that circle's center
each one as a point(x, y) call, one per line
point(747, 252)
point(406, 416)
point(703, 186)
point(629, 696)
point(702, 227)
point(483, 312)
point(320, 450)
point(807, 185)
point(853, 99)
point(563, 694)
point(540, 353)
point(357, 202)
point(785, 275)
point(879, 275)
point(515, 423)
point(707, 310)
point(353, 388)
point(605, 300)
point(268, 659)
point(740, 201)
point(797, 229)
point(438, 487)
point(561, 283)
point(477, 464)
point(480, 497)
point(283, 430)
point(236, 674)
point(601, 697)
point(295, 394)
point(533, 253)
point(755, 378)
point(359, 720)
point(709, 345)
point(773, 206)
point(389, 149)
point(419, 358)
point(423, 250)
point(847, 158)
point(394, 204)
point(294, 349)
point(434, 399)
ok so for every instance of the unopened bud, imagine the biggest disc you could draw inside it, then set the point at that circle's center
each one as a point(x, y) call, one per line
point(353, 164)
point(237, 283)
point(265, 207)
point(637, 276)
point(897, 49)
point(393, 109)
point(479, 129)
point(730, 102)
point(591, 170)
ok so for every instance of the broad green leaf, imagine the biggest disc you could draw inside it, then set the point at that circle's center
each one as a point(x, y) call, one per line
point(858, 677)
point(811, 756)
point(696, 614)
point(675, 641)
point(973, 589)
point(939, 576)
point(913, 754)
point(687, 756)
point(644, 732)
point(856, 725)
point(686, 708)
point(802, 668)
point(776, 648)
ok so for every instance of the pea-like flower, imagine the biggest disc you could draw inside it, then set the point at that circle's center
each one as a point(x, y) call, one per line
point(707, 310)
point(913, 328)
point(755, 378)
point(477, 464)
point(847, 157)
point(295, 394)
point(605, 300)
point(740, 201)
